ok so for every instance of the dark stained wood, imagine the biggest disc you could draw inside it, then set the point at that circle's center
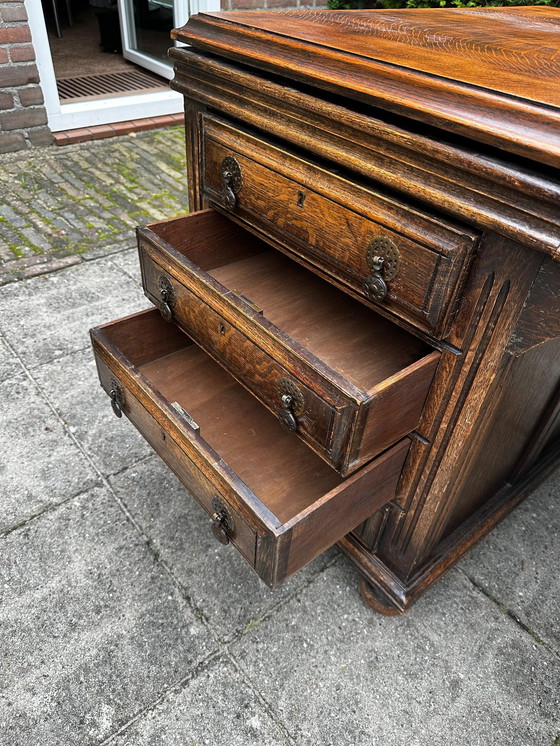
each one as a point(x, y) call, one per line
point(521, 397)
point(209, 243)
point(392, 595)
point(540, 319)
point(285, 475)
point(509, 51)
point(263, 317)
point(436, 481)
point(439, 127)
point(331, 222)
point(290, 138)
point(493, 72)
point(348, 338)
point(489, 189)
point(272, 485)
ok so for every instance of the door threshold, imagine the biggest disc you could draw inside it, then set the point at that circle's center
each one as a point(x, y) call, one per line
point(100, 132)
point(92, 113)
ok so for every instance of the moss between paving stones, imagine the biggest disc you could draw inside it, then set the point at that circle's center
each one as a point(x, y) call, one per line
point(84, 200)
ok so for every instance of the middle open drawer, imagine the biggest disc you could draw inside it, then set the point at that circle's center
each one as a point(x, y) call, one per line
point(345, 380)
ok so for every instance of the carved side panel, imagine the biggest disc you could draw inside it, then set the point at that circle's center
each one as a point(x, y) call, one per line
point(461, 403)
point(193, 129)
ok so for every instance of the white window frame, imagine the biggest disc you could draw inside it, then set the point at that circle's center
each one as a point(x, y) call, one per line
point(98, 111)
point(128, 35)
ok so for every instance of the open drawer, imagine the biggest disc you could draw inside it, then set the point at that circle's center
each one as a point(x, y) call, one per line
point(342, 378)
point(267, 493)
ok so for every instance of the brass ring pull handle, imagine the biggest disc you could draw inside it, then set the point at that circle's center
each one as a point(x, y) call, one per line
point(286, 415)
point(115, 405)
point(383, 259)
point(222, 523)
point(291, 402)
point(166, 295)
point(230, 172)
point(375, 286)
point(117, 398)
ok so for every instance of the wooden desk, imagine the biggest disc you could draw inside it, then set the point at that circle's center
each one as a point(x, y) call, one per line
point(409, 159)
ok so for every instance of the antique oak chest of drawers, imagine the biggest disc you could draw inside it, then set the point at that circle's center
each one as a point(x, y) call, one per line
point(356, 328)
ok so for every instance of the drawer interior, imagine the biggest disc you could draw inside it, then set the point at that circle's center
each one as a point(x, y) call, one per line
point(283, 473)
point(348, 337)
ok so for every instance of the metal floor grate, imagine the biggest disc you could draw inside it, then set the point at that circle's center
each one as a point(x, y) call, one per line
point(107, 84)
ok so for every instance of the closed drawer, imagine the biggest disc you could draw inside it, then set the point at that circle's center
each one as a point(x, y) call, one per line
point(346, 381)
point(268, 494)
point(338, 226)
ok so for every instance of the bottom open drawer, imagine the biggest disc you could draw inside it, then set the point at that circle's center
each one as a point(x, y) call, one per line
point(267, 492)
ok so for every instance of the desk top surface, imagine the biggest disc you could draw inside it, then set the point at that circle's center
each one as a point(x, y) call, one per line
point(488, 73)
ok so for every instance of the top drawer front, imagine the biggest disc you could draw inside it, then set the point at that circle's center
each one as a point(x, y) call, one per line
point(331, 223)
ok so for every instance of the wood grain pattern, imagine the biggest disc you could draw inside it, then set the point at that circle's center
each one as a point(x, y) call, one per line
point(510, 51)
point(484, 186)
point(441, 126)
point(508, 97)
point(331, 222)
point(332, 122)
point(464, 406)
point(363, 380)
point(271, 483)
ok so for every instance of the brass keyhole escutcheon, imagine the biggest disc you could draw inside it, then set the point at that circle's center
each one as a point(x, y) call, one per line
point(301, 199)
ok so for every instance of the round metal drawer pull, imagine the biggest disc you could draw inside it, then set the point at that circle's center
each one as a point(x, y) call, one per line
point(117, 398)
point(384, 260)
point(230, 172)
point(222, 522)
point(167, 298)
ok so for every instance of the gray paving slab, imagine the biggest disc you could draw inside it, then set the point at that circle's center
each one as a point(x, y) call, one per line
point(9, 364)
point(93, 630)
point(215, 707)
point(112, 443)
point(39, 463)
point(128, 262)
point(49, 316)
point(454, 670)
point(519, 562)
point(217, 578)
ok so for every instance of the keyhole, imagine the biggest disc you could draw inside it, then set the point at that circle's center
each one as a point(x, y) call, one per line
point(222, 329)
point(300, 199)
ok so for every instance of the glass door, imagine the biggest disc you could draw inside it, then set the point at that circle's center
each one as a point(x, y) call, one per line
point(145, 27)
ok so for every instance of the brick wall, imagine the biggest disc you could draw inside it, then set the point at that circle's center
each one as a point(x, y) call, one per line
point(23, 118)
point(266, 4)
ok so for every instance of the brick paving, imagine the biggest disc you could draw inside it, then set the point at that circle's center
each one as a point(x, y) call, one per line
point(63, 206)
